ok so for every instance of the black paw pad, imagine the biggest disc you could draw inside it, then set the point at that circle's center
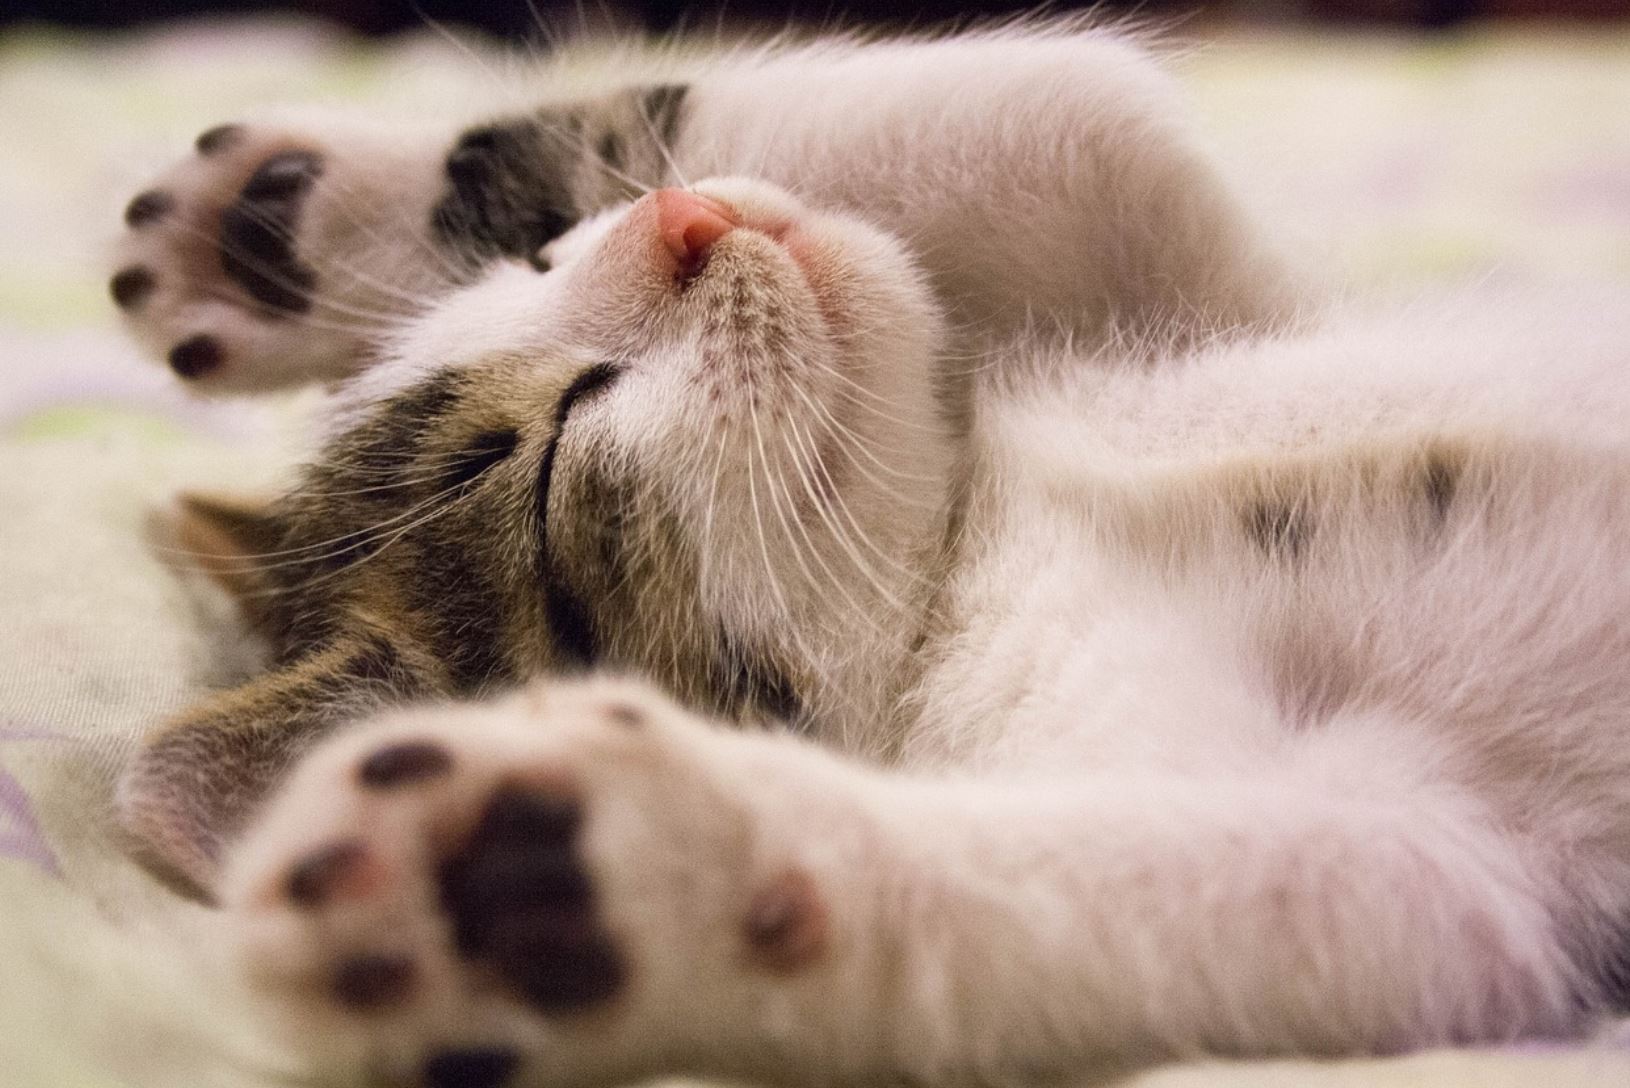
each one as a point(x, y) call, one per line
point(131, 286)
point(403, 764)
point(521, 902)
point(148, 207)
point(215, 140)
point(196, 356)
point(370, 982)
point(257, 233)
point(483, 1068)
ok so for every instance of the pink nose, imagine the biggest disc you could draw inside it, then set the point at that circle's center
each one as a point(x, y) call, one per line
point(690, 225)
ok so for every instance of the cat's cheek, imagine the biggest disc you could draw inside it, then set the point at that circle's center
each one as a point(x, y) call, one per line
point(829, 276)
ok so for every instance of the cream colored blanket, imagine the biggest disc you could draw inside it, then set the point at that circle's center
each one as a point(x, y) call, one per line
point(1407, 162)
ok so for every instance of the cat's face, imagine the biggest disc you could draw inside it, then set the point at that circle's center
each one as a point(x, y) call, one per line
point(706, 445)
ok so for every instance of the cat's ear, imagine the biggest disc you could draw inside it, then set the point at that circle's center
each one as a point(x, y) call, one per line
point(232, 539)
point(200, 777)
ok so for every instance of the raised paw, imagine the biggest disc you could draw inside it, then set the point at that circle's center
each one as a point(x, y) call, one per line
point(278, 255)
point(578, 884)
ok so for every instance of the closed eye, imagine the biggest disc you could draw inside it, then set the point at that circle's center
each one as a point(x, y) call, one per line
point(595, 379)
point(592, 380)
point(568, 619)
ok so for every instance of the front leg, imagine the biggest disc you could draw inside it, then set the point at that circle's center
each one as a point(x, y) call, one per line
point(580, 885)
point(287, 251)
point(585, 885)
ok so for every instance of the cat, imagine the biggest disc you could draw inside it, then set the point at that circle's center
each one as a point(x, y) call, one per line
point(870, 568)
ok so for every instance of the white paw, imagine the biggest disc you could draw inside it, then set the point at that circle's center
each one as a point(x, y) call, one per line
point(581, 883)
point(278, 254)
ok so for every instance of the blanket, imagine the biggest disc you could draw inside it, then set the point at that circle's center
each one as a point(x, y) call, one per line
point(1494, 154)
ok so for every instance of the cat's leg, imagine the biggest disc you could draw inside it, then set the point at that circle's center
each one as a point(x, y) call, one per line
point(1045, 177)
point(286, 251)
point(586, 885)
point(282, 252)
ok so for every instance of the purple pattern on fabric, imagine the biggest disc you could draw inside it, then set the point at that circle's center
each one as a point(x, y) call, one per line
point(20, 834)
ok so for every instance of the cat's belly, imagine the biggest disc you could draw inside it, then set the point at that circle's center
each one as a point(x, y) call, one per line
point(1183, 614)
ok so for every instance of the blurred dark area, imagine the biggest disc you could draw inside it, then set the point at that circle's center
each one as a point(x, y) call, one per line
point(521, 18)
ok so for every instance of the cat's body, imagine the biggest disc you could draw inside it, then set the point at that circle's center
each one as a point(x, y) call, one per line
point(1205, 675)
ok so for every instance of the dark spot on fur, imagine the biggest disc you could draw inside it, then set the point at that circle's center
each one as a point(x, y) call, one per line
point(377, 661)
point(570, 623)
point(214, 140)
point(485, 451)
point(372, 981)
point(1439, 481)
point(257, 232)
point(364, 479)
point(487, 1067)
point(611, 150)
point(786, 925)
point(404, 764)
point(196, 356)
point(312, 880)
point(624, 715)
point(148, 207)
point(131, 286)
point(411, 411)
point(662, 106)
point(749, 683)
point(507, 193)
point(1279, 529)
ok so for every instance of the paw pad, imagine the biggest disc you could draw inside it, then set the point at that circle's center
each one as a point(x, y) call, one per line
point(214, 140)
point(485, 1068)
point(196, 356)
point(257, 231)
point(369, 982)
point(521, 902)
point(404, 764)
point(148, 207)
point(343, 868)
point(131, 286)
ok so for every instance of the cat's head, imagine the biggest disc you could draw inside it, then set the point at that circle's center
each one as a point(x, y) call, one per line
point(705, 446)
point(708, 445)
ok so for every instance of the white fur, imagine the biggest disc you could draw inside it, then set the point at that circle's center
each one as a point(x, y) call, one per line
point(1116, 779)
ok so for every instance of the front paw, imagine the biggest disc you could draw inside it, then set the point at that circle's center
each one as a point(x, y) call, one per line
point(277, 254)
point(578, 884)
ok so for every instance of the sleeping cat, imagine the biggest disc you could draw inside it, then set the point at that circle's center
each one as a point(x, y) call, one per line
point(1120, 659)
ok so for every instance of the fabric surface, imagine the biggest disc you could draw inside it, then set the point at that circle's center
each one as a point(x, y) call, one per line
point(1496, 154)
